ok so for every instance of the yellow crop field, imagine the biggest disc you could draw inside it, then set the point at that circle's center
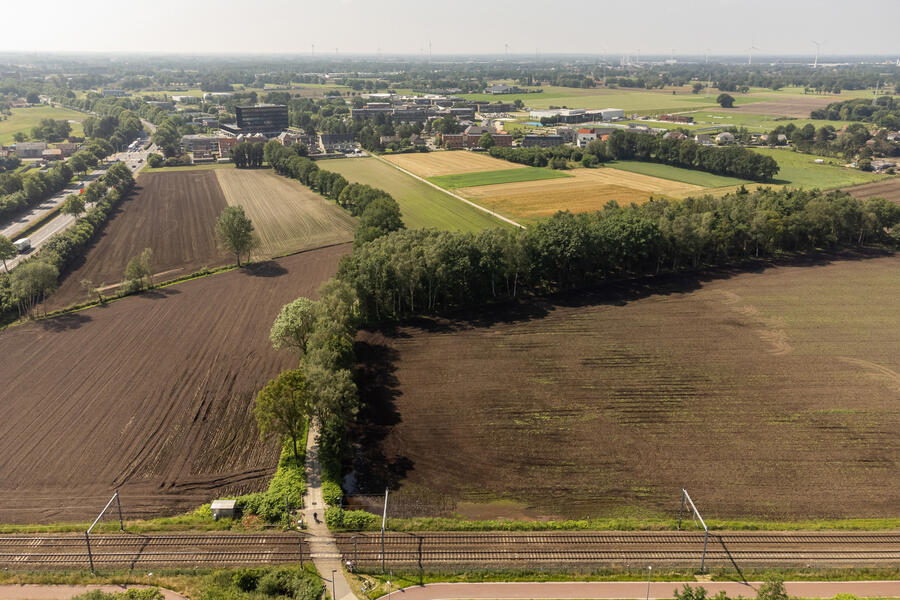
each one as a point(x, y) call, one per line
point(287, 215)
point(526, 207)
point(587, 190)
point(448, 162)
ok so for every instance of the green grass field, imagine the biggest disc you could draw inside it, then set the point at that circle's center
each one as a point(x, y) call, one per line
point(421, 205)
point(23, 119)
point(799, 170)
point(462, 180)
point(691, 176)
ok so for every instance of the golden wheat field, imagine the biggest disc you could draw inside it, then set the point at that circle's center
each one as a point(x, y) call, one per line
point(450, 162)
point(287, 215)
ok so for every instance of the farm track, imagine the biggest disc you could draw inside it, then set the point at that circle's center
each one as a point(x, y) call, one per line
point(617, 548)
point(139, 550)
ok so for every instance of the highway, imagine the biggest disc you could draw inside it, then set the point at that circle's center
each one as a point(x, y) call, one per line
point(134, 160)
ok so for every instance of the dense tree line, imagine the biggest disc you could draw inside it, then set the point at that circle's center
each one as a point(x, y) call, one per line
point(248, 154)
point(35, 277)
point(538, 157)
point(409, 272)
point(883, 111)
point(377, 210)
point(51, 130)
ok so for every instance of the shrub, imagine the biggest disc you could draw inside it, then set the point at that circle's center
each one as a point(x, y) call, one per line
point(332, 493)
point(246, 580)
point(338, 518)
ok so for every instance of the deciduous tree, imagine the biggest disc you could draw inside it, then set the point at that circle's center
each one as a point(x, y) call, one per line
point(8, 251)
point(294, 324)
point(235, 232)
point(283, 406)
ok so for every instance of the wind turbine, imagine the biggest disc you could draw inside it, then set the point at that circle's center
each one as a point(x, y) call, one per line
point(707, 56)
point(506, 48)
point(750, 54)
point(818, 47)
point(312, 49)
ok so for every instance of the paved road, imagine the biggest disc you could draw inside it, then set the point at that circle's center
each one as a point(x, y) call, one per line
point(636, 589)
point(134, 160)
point(64, 592)
point(14, 227)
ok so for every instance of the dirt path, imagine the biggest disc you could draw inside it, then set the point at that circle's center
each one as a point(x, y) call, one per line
point(323, 548)
point(637, 589)
point(64, 592)
point(460, 198)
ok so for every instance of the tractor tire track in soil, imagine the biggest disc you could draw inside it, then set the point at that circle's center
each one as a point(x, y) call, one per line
point(151, 394)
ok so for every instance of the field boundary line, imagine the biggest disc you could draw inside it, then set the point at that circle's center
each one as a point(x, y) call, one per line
point(437, 187)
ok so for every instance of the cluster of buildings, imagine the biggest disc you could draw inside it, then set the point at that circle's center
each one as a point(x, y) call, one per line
point(470, 137)
point(43, 151)
point(578, 115)
point(420, 109)
point(260, 123)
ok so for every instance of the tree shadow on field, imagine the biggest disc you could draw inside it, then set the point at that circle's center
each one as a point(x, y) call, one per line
point(159, 293)
point(269, 268)
point(65, 322)
point(378, 415)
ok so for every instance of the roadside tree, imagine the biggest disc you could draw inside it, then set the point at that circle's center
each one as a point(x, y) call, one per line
point(31, 283)
point(73, 205)
point(8, 251)
point(235, 232)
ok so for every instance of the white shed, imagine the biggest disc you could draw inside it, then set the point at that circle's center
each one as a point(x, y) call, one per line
point(223, 509)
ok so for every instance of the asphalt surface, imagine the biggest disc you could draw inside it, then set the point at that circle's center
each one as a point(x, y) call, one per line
point(134, 160)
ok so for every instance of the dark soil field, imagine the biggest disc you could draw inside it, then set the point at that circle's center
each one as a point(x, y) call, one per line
point(172, 213)
point(889, 189)
point(767, 394)
point(797, 107)
point(150, 395)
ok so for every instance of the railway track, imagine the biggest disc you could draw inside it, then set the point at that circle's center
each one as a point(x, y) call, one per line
point(621, 549)
point(132, 551)
point(447, 550)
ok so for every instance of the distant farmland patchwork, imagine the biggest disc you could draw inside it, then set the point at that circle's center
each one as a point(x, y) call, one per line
point(151, 395)
point(768, 395)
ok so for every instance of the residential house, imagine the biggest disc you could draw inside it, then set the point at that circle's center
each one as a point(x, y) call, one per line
point(674, 135)
point(67, 148)
point(470, 137)
point(725, 138)
point(702, 138)
point(337, 142)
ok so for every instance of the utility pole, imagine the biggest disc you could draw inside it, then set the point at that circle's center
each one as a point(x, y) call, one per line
point(333, 595)
point(383, 527)
point(649, 573)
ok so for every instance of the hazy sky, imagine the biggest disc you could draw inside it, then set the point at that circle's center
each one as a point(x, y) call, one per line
point(453, 27)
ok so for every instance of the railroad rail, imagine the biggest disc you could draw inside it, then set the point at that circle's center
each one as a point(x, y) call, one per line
point(442, 550)
point(131, 550)
point(450, 549)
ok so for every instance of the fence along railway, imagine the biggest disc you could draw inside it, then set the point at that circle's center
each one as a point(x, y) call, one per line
point(436, 551)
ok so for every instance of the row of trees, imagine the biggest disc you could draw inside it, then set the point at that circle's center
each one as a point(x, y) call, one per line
point(36, 277)
point(21, 191)
point(248, 154)
point(408, 272)
point(377, 210)
point(733, 161)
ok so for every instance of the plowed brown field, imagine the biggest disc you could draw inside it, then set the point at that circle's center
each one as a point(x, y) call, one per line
point(769, 394)
point(150, 395)
point(889, 189)
point(172, 213)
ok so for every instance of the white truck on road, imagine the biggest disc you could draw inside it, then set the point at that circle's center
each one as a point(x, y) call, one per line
point(22, 245)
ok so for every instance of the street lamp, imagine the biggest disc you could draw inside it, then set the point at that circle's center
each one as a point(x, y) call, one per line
point(333, 596)
point(649, 573)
